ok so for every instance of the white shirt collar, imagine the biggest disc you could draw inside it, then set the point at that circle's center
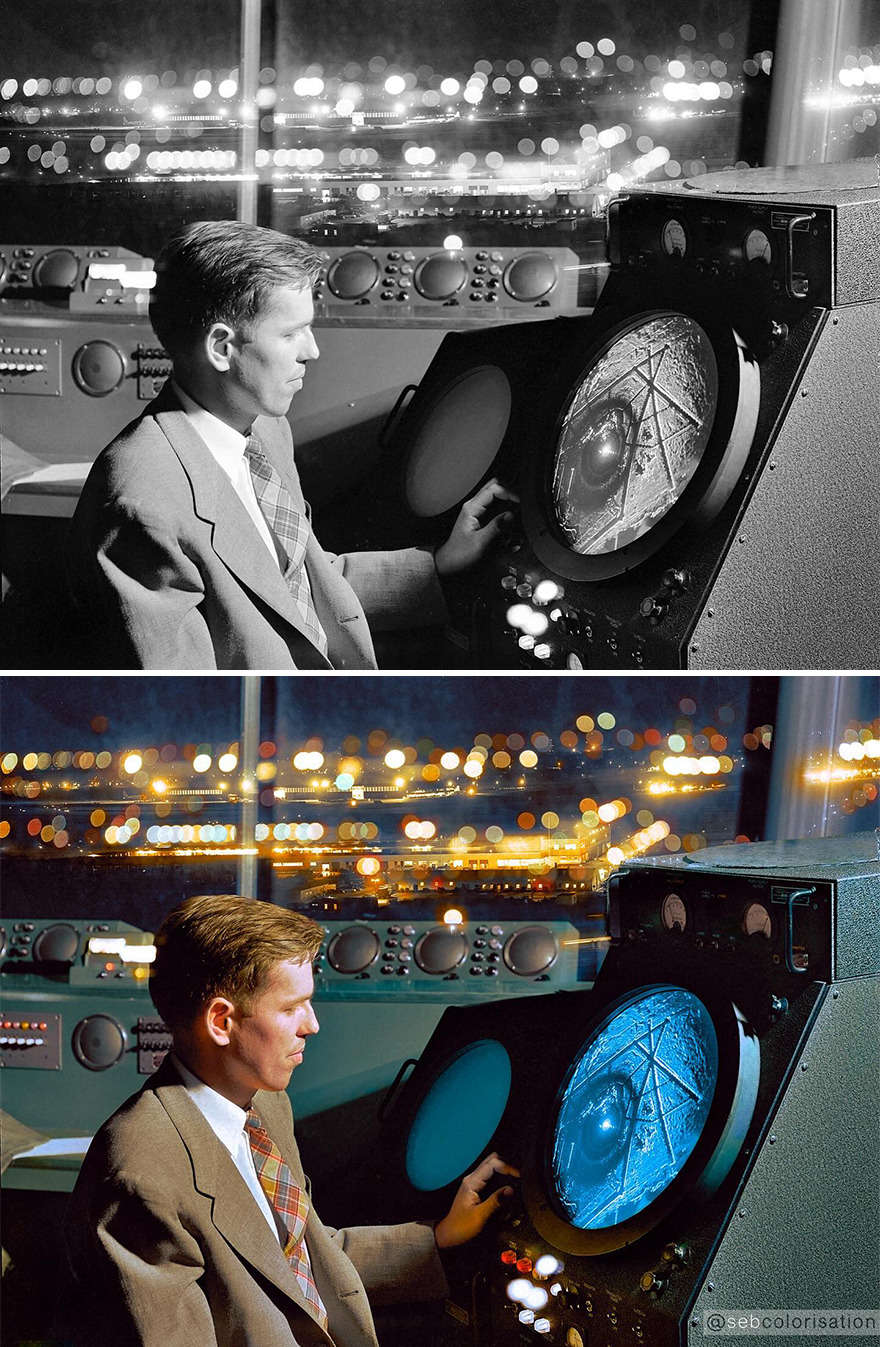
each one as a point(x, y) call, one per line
point(226, 1118)
point(226, 443)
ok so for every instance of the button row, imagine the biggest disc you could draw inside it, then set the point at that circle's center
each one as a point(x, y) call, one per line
point(6, 1042)
point(23, 350)
point(24, 1024)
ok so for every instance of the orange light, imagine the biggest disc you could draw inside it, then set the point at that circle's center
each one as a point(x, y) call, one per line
point(509, 1256)
point(109, 967)
point(524, 1265)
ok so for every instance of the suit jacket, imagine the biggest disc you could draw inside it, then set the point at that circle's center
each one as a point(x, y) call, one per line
point(166, 568)
point(169, 1247)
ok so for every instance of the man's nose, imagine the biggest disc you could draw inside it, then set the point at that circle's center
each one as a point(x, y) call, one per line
point(310, 350)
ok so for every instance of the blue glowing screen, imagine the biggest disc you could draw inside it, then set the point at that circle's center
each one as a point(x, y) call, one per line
point(458, 1115)
point(634, 1107)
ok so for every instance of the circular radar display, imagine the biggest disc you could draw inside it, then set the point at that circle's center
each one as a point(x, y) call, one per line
point(634, 1107)
point(634, 433)
point(458, 1115)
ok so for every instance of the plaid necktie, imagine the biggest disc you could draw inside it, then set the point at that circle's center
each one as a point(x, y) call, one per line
point(291, 1204)
point(291, 529)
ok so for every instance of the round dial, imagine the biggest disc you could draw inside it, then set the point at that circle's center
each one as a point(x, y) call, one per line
point(757, 247)
point(574, 1338)
point(673, 912)
point(574, 661)
point(757, 920)
point(673, 238)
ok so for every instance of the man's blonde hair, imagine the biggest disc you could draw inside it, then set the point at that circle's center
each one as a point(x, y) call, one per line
point(224, 945)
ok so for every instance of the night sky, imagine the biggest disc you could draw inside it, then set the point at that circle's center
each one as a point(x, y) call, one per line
point(105, 36)
point(56, 713)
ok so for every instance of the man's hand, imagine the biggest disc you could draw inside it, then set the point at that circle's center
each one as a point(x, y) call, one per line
point(468, 1214)
point(470, 538)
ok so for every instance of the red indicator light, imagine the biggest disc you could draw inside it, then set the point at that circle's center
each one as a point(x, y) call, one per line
point(43, 1025)
point(7, 1024)
point(509, 1256)
point(109, 967)
point(524, 1265)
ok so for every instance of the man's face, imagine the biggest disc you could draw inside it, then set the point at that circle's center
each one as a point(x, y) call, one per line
point(266, 1045)
point(269, 358)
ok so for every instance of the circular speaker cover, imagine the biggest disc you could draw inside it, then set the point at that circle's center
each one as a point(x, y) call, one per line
point(56, 270)
point(56, 944)
point(440, 276)
point(458, 1115)
point(98, 1042)
point(530, 277)
point(353, 950)
point(98, 368)
point(353, 275)
point(530, 951)
point(460, 433)
point(441, 950)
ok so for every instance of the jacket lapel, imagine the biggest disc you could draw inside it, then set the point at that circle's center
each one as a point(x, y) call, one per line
point(234, 1212)
point(234, 538)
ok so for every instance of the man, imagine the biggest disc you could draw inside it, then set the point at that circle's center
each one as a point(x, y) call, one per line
point(191, 1222)
point(191, 546)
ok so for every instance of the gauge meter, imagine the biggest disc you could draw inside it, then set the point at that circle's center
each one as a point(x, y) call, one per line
point(673, 912)
point(674, 239)
point(757, 920)
point(757, 247)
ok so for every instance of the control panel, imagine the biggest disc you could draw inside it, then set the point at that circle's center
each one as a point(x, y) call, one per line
point(786, 248)
point(92, 279)
point(538, 620)
point(460, 283)
point(28, 1040)
point(707, 916)
point(449, 960)
point(88, 361)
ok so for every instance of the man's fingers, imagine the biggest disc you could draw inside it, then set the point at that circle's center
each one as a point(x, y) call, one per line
point(489, 491)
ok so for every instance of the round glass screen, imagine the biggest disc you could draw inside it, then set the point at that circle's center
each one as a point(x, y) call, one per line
point(458, 440)
point(458, 1115)
point(634, 433)
point(634, 1106)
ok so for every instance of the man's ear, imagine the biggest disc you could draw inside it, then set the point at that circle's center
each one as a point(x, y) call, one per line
point(219, 342)
point(218, 1020)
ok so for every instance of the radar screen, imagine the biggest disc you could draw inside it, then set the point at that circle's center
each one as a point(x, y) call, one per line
point(458, 1115)
point(458, 441)
point(634, 433)
point(634, 1107)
